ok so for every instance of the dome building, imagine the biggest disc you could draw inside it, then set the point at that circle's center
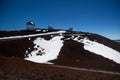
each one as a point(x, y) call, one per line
point(30, 25)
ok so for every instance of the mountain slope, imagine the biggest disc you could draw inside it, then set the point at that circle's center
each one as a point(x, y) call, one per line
point(78, 49)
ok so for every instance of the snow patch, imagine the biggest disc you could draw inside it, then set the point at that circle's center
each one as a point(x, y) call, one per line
point(32, 35)
point(46, 50)
point(29, 38)
point(26, 51)
point(100, 49)
point(44, 30)
point(51, 36)
point(38, 30)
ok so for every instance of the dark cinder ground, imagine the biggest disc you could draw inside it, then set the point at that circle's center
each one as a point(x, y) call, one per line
point(19, 69)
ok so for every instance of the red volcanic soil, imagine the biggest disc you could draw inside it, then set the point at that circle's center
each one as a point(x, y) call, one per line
point(15, 48)
point(12, 68)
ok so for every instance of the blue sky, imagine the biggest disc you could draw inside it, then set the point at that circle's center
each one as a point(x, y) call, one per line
point(96, 16)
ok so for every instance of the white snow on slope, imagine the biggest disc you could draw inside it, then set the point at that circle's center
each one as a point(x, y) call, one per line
point(100, 49)
point(32, 35)
point(48, 50)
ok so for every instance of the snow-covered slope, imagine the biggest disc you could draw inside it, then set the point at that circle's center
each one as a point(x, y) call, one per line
point(36, 48)
point(32, 35)
point(45, 50)
point(100, 49)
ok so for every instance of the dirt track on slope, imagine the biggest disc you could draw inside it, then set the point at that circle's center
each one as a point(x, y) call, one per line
point(87, 70)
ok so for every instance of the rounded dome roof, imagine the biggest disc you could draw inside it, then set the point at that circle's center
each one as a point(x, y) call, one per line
point(30, 23)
